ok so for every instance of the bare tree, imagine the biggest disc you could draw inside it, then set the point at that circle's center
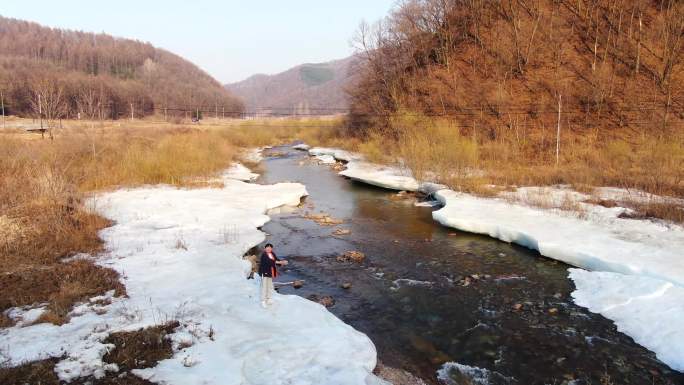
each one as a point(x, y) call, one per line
point(88, 103)
point(672, 39)
point(48, 102)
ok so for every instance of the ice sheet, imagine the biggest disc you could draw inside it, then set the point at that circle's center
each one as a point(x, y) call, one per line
point(600, 241)
point(179, 251)
point(649, 310)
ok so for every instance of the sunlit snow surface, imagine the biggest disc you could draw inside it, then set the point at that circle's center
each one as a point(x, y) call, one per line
point(649, 310)
point(301, 147)
point(341, 155)
point(179, 252)
point(639, 262)
point(600, 241)
point(382, 176)
point(390, 177)
point(239, 172)
point(325, 159)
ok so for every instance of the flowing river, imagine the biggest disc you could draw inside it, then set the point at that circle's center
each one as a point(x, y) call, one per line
point(427, 295)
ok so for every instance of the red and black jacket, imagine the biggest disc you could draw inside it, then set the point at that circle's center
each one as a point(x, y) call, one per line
point(267, 266)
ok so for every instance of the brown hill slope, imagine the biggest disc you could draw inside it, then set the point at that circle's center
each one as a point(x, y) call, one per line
point(304, 89)
point(502, 66)
point(97, 74)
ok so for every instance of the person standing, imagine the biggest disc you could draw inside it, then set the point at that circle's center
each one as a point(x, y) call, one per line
point(268, 271)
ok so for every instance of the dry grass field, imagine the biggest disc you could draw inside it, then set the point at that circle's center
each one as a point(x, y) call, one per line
point(436, 149)
point(43, 183)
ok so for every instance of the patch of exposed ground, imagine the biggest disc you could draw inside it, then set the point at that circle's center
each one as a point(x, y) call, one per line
point(33, 268)
point(138, 349)
point(396, 376)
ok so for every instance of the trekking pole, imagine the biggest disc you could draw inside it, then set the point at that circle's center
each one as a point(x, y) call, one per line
point(258, 287)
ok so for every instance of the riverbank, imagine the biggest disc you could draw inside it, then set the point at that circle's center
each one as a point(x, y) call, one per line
point(475, 159)
point(44, 183)
point(571, 228)
point(58, 275)
point(179, 252)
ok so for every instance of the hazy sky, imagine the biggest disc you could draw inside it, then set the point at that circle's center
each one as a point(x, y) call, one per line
point(229, 39)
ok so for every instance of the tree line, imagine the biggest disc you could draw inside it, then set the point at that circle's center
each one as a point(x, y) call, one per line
point(609, 65)
point(61, 73)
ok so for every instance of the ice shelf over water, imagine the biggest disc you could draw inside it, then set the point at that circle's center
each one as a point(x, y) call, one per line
point(325, 159)
point(637, 266)
point(600, 241)
point(649, 310)
point(301, 147)
point(253, 155)
point(179, 252)
point(239, 172)
point(389, 177)
point(341, 155)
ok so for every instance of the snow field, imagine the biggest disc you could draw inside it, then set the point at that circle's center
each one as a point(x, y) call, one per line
point(180, 254)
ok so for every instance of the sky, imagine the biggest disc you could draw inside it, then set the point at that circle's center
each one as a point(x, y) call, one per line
point(230, 39)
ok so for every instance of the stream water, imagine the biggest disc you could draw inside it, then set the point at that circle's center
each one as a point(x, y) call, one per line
point(409, 295)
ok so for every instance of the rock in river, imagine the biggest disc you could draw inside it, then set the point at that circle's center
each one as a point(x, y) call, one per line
point(325, 300)
point(351, 256)
point(342, 232)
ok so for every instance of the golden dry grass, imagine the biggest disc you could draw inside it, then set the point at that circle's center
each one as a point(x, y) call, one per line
point(142, 348)
point(43, 184)
point(38, 372)
point(440, 150)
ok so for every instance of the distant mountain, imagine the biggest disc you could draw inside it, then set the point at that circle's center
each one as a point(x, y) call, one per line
point(99, 75)
point(305, 89)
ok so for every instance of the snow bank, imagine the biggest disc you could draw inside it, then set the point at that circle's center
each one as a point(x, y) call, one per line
point(253, 155)
point(25, 316)
point(325, 159)
point(341, 155)
point(601, 241)
point(388, 177)
point(625, 195)
point(301, 147)
point(179, 251)
point(239, 172)
point(381, 176)
point(649, 310)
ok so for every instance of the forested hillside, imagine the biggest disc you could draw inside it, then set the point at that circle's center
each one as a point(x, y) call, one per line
point(611, 67)
point(97, 75)
point(317, 88)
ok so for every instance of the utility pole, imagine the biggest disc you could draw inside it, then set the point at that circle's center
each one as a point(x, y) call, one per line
point(638, 53)
point(197, 115)
point(131, 112)
point(99, 113)
point(223, 112)
point(558, 129)
point(40, 115)
point(2, 101)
